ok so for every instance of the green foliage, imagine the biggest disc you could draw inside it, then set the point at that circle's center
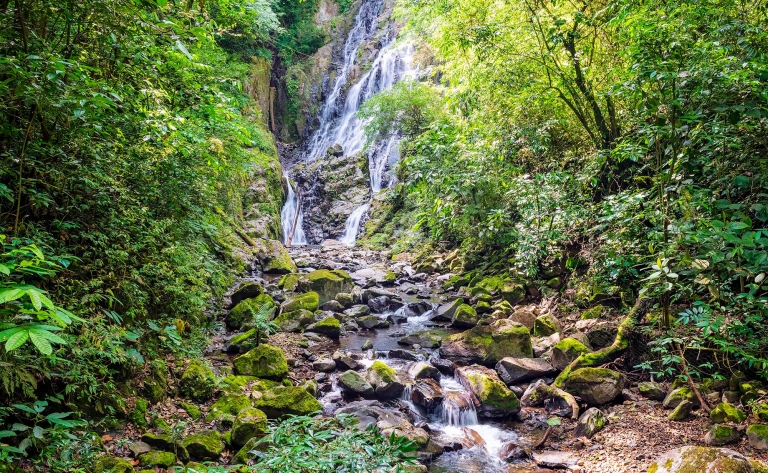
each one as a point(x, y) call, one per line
point(409, 107)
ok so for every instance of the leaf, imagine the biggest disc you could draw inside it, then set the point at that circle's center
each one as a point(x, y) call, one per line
point(759, 278)
point(11, 295)
point(57, 415)
point(24, 408)
point(48, 336)
point(700, 264)
point(41, 343)
point(16, 340)
point(38, 432)
point(183, 49)
point(4, 269)
point(34, 296)
point(554, 421)
point(7, 433)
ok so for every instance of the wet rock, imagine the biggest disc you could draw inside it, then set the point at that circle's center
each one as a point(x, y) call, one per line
point(517, 370)
point(370, 322)
point(358, 311)
point(652, 390)
point(446, 367)
point(329, 327)
point(374, 292)
point(333, 306)
point(426, 393)
point(488, 344)
point(595, 385)
point(496, 400)
point(426, 339)
point(386, 384)
point(701, 459)
point(379, 304)
point(395, 422)
point(565, 351)
point(345, 362)
point(422, 370)
point(681, 412)
point(757, 434)
point(445, 312)
point(725, 412)
point(284, 400)
point(354, 384)
point(205, 445)
point(676, 396)
point(264, 361)
point(367, 345)
point(403, 354)
point(513, 451)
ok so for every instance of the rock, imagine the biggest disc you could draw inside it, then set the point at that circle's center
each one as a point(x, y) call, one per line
point(426, 393)
point(737, 378)
point(329, 326)
point(354, 384)
point(760, 410)
point(165, 443)
point(676, 396)
point(595, 385)
point(198, 382)
point(243, 455)
point(565, 351)
point(517, 370)
point(227, 407)
point(446, 367)
point(426, 339)
point(590, 422)
point(488, 344)
point(246, 290)
point(287, 400)
point(523, 316)
point(681, 412)
point(345, 362)
point(158, 459)
point(242, 313)
point(335, 150)
point(725, 412)
point(379, 304)
point(512, 451)
point(294, 321)
point(720, 435)
point(731, 396)
point(496, 400)
point(445, 312)
point(333, 306)
point(370, 322)
point(367, 345)
point(513, 292)
point(464, 317)
point(593, 313)
point(541, 345)
point(395, 422)
point(108, 464)
point(358, 311)
point(757, 434)
point(652, 390)
point(701, 459)
point(249, 423)
point(264, 361)
point(324, 365)
point(309, 301)
point(558, 460)
point(273, 257)
point(326, 283)
point(289, 282)
point(386, 384)
point(545, 325)
point(137, 448)
point(403, 354)
point(421, 370)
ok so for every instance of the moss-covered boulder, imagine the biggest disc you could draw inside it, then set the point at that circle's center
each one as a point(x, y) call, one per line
point(198, 382)
point(205, 445)
point(652, 390)
point(244, 454)
point(595, 385)
point(264, 361)
point(329, 326)
point(227, 407)
point(676, 396)
point(108, 464)
point(248, 424)
point(513, 292)
point(465, 316)
point(326, 283)
point(590, 422)
point(445, 312)
point(295, 321)
point(308, 301)
point(138, 415)
point(384, 380)
point(565, 351)
point(284, 400)
point(488, 344)
point(721, 434)
point(157, 458)
point(273, 257)
point(345, 299)
point(165, 443)
point(496, 399)
point(681, 412)
point(701, 459)
point(192, 410)
point(425, 338)
point(545, 325)
point(492, 284)
point(760, 410)
point(757, 434)
point(593, 313)
point(353, 384)
point(289, 282)
point(246, 290)
point(242, 314)
point(421, 370)
point(155, 386)
point(726, 412)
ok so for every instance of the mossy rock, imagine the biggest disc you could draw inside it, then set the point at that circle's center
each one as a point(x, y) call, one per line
point(757, 434)
point(720, 435)
point(287, 400)
point(241, 338)
point(107, 464)
point(326, 283)
point(264, 361)
point(205, 445)
point(425, 338)
point(492, 284)
point(464, 317)
point(198, 382)
point(246, 290)
point(760, 410)
point(227, 407)
point(157, 458)
point(545, 325)
point(593, 313)
point(138, 415)
point(308, 301)
point(725, 412)
point(273, 257)
point(652, 390)
point(681, 412)
point(236, 384)
point(242, 314)
point(384, 380)
point(295, 321)
point(489, 344)
point(496, 399)
point(345, 299)
point(701, 459)
point(156, 384)
point(513, 292)
point(595, 385)
point(355, 384)
point(249, 423)
point(676, 396)
point(565, 351)
point(289, 282)
point(165, 443)
point(244, 454)
point(329, 326)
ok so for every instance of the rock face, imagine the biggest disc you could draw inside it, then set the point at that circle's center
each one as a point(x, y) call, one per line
point(495, 398)
point(701, 459)
point(197, 382)
point(326, 283)
point(386, 384)
point(264, 361)
point(595, 385)
point(517, 370)
point(354, 384)
point(590, 422)
point(273, 257)
point(488, 344)
point(284, 400)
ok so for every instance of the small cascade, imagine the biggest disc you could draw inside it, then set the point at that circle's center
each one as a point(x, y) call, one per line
point(457, 409)
point(353, 225)
point(291, 217)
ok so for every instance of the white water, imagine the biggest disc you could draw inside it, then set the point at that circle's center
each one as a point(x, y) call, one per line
point(288, 215)
point(352, 225)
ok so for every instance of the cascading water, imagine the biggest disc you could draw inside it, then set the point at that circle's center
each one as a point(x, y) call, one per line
point(352, 225)
point(291, 218)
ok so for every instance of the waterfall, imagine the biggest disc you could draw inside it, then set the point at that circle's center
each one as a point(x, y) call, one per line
point(458, 407)
point(288, 217)
point(353, 224)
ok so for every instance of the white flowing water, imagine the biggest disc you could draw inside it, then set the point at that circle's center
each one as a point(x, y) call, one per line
point(353, 224)
point(288, 217)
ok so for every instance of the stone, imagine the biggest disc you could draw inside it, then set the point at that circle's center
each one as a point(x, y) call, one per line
point(595, 385)
point(725, 412)
point(379, 304)
point(294, 321)
point(426, 393)
point(204, 445)
point(384, 380)
point(109, 464)
point(273, 257)
point(542, 345)
point(287, 400)
point(370, 322)
point(326, 283)
point(242, 314)
point(246, 290)
point(691, 459)
point(445, 312)
point(248, 424)
point(333, 306)
point(760, 410)
point(157, 458)
point(736, 380)
point(523, 316)
point(446, 367)
point(244, 454)
point(426, 339)
point(309, 301)
point(593, 313)
point(421, 370)
point(652, 390)
point(545, 325)
point(403, 354)
point(757, 434)
point(367, 345)
point(137, 448)
point(156, 385)
point(590, 422)
point(264, 361)
point(358, 311)
point(329, 326)
point(731, 396)
point(565, 351)
point(227, 407)
point(353, 383)
point(465, 316)
point(557, 460)
point(681, 412)
point(512, 292)
point(720, 435)
point(345, 362)
point(198, 382)
point(517, 370)
point(676, 396)
point(324, 365)
point(488, 344)
point(496, 399)
point(165, 443)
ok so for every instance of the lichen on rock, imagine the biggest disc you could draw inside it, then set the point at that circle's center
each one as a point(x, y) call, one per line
point(264, 361)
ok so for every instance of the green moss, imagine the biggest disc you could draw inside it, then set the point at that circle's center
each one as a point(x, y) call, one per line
point(289, 282)
point(383, 371)
point(390, 276)
point(242, 314)
point(285, 400)
point(192, 410)
point(490, 390)
point(156, 384)
point(274, 257)
point(229, 405)
point(205, 445)
point(329, 326)
point(571, 345)
point(545, 325)
point(243, 337)
point(492, 284)
point(722, 431)
point(725, 412)
point(158, 459)
point(500, 340)
point(760, 410)
point(264, 361)
point(759, 430)
point(107, 464)
point(198, 382)
point(309, 301)
point(138, 415)
point(294, 321)
point(326, 283)
point(513, 292)
point(249, 423)
point(465, 316)
point(593, 313)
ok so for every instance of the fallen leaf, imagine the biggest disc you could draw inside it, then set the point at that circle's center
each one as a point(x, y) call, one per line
point(106, 438)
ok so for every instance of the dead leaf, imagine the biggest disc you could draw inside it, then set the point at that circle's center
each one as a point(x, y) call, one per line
point(106, 438)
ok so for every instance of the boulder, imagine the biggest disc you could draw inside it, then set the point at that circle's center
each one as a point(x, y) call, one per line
point(157, 459)
point(565, 351)
point(720, 435)
point(593, 313)
point(309, 301)
point(512, 292)
point(370, 322)
point(242, 313)
point(227, 407)
point(445, 312)
point(681, 412)
point(326, 283)
point(652, 390)
point(496, 399)
point(545, 325)
point(701, 459)
point(386, 384)
point(488, 344)
point(465, 316)
point(249, 423)
point(446, 367)
point(426, 339)
point(294, 321)
point(264, 361)
point(590, 422)
point(358, 311)
point(523, 316)
point(517, 370)
point(204, 445)
point(289, 282)
point(273, 257)
point(423, 370)
point(246, 290)
point(426, 393)
point(332, 305)
point(595, 385)
point(106, 463)
point(324, 365)
point(354, 384)
point(198, 382)
point(725, 412)
point(403, 354)
point(287, 400)
point(329, 326)
point(379, 304)
point(676, 396)
point(345, 362)
point(757, 434)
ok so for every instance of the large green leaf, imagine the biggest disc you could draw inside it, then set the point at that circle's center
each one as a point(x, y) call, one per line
point(16, 340)
point(41, 343)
